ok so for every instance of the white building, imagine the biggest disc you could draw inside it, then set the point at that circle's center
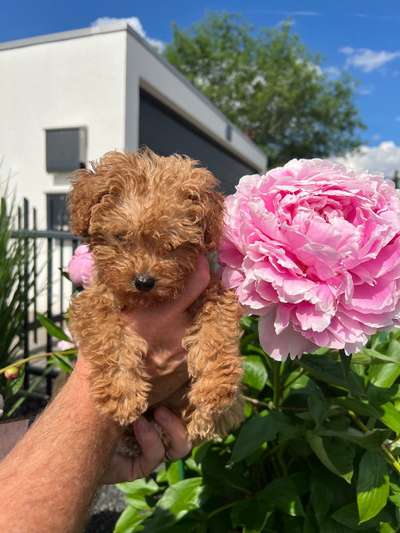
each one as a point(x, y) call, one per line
point(67, 98)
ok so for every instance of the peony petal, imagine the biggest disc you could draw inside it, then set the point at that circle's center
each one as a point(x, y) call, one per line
point(288, 343)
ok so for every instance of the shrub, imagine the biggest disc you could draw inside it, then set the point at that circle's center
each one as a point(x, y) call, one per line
point(318, 452)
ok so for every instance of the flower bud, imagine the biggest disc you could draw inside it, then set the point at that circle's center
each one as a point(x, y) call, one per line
point(11, 373)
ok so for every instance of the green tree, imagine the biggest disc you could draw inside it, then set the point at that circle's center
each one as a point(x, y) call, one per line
point(270, 85)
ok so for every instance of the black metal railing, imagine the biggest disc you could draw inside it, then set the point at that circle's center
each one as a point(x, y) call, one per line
point(46, 253)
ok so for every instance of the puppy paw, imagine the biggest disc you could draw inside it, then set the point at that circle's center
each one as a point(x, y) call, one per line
point(124, 410)
point(201, 426)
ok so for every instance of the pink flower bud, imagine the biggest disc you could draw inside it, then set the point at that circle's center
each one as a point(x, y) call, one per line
point(11, 373)
point(81, 266)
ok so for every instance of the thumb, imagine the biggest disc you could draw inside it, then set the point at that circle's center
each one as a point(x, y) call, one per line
point(195, 285)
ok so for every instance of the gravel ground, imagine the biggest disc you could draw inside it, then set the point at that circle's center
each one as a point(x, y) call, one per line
point(106, 509)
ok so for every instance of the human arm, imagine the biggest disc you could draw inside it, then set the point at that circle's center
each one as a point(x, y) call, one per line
point(48, 480)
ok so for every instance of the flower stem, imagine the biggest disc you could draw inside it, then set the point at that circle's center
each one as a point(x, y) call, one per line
point(395, 464)
point(35, 357)
point(254, 401)
point(276, 383)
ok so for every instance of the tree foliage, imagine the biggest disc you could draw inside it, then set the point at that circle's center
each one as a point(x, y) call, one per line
point(270, 86)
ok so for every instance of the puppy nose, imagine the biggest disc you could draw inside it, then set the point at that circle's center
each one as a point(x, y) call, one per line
point(143, 282)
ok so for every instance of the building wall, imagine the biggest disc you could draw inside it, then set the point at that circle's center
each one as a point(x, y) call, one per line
point(66, 83)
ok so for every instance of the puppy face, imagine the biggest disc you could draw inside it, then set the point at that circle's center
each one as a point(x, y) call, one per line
point(147, 218)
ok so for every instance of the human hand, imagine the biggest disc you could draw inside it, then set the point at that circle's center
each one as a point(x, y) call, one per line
point(163, 326)
point(153, 451)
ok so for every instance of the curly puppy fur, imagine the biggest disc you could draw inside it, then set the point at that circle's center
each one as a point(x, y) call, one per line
point(145, 214)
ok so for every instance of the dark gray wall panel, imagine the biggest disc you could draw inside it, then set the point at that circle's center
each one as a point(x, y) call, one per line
point(165, 132)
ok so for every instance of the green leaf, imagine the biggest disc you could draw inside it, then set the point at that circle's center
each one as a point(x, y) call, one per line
point(321, 499)
point(136, 492)
point(336, 456)
point(395, 494)
point(385, 375)
point(373, 354)
point(317, 403)
point(52, 329)
point(182, 497)
point(390, 417)
point(324, 369)
point(372, 485)
point(363, 408)
point(370, 441)
point(282, 494)
point(251, 515)
point(348, 516)
point(129, 520)
point(259, 429)
point(385, 527)
point(175, 472)
point(255, 373)
point(62, 362)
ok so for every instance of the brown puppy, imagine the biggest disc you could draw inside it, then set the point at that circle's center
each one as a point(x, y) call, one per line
point(147, 219)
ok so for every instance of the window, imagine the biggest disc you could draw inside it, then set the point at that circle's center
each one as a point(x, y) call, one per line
point(65, 149)
point(57, 212)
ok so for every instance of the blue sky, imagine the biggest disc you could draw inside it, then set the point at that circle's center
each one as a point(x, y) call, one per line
point(361, 36)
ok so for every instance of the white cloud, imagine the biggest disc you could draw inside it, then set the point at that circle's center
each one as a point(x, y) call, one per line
point(364, 90)
point(134, 22)
point(332, 72)
point(368, 60)
point(286, 13)
point(383, 158)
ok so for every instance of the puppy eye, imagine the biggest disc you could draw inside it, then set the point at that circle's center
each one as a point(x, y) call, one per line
point(120, 237)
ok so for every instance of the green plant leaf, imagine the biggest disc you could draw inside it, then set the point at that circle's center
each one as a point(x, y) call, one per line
point(337, 457)
point(321, 499)
point(372, 485)
point(385, 527)
point(324, 369)
point(52, 328)
point(251, 515)
point(129, 520)
point(282, 494)
point(374, 354)
point(255, 373)
point(175, 472)
point(385, 375)
point(136, 492)
point(175, 503)
point(370, 441)
point(62, 362)
point(348, 516)
point(317, 403)
point(390, 417)
point(259, 429)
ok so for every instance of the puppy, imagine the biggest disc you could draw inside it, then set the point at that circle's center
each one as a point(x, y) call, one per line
point(147, 219)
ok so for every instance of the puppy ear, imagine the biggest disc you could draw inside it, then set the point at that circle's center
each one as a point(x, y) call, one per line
point(87, 190)
point(214, 220)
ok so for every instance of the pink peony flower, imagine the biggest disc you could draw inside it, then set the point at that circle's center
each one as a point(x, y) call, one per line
point(81, 266)
point(313, 249)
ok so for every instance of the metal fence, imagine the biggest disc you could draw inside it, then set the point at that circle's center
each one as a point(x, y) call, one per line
point(49, 252)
